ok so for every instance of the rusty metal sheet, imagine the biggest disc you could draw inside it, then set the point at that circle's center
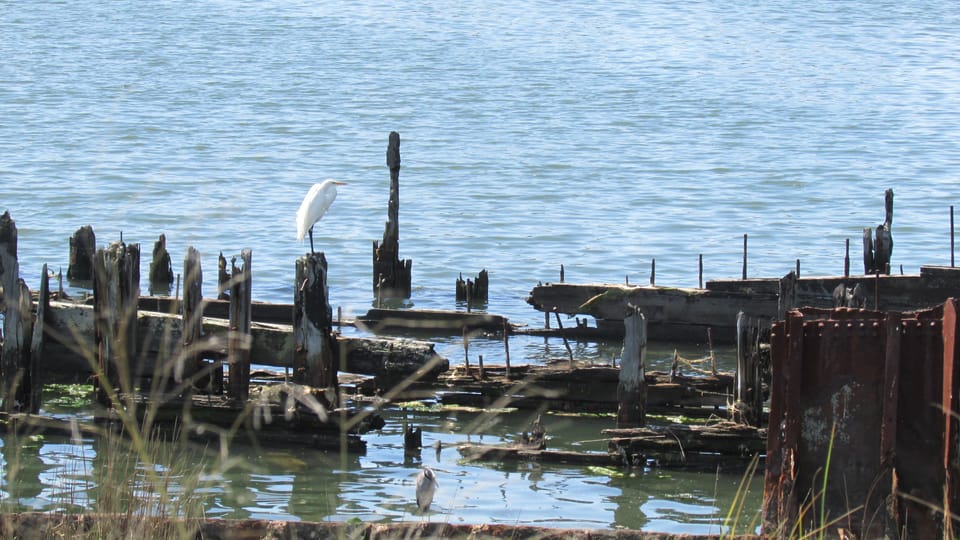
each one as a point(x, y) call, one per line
point(869, 389)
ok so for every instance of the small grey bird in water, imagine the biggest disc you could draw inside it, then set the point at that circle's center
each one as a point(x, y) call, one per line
point(426, 486)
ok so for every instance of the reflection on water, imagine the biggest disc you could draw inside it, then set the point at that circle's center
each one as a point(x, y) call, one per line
point(51, 473)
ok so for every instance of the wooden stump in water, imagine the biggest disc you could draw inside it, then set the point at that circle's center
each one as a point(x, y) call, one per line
point(32, 388)
point(391, 276)
point(83, 247)
point(239, 342)
point(161, 269)
point(632, 387)
point(473, 291)
point(878, 250)
point(313, 360)
point(116, 291)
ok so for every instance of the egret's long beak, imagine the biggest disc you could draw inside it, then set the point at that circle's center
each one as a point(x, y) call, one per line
point(339, 183)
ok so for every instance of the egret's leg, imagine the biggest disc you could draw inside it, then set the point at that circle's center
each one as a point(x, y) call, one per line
point(311, 240)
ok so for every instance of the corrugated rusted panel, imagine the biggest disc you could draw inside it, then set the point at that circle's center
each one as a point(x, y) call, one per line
point(879, 383)
point(920, 425)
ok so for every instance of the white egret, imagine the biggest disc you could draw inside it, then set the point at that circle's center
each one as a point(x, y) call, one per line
point(314, 206)
point(426, 487)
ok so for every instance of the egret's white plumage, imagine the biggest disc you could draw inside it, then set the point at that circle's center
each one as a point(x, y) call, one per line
point(426, 487)
point(314, 206)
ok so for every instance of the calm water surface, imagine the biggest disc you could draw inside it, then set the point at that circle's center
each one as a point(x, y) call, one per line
point(599, 136)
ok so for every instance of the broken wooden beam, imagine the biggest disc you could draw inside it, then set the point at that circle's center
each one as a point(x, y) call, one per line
point(71, 344)
point(693, 445)
point(427, 320)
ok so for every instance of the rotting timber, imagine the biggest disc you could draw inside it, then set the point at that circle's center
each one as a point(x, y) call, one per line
point(685, 314)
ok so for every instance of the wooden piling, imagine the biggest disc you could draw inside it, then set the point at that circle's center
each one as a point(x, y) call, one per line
point(13, 330)
point(744, 256)
point(34, 380)
point(506, 346)
point(786, 295)
point(653, 272)
point(951, 237)
point(391, 276)
point(846, 260)
point(473, 291)
point(313, 360)
point(190, 361)
point(161, 268)
point(83, 247)
point(239, 342)
point(700, 282)
point(632, 387)
point(116, 291)
point(223, 278)
point(748, 405)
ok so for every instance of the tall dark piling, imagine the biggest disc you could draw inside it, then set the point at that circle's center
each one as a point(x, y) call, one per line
point(223, 278)
point(313, 359)
point(83, 247)
point(632, 388)
point(161, 268)
point(878, 249)
point(238, 344)
point(190, 360)
point(116, 291)
point(473, 290)
point(748, 404)
point(21, 350)
point(391, 276)
point(32, 392)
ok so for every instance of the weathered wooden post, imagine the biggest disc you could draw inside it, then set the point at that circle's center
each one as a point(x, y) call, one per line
point(35, 396)
point(223, 279)
point(18, 364)
point(632, 388)
point(473, 291)
point(506, 345)
point(744, 256)
point(83, 246)
point(748, 404)
point(391, 276)
point(877, 252)
point(313, 359)
point(846, 260)
point(653, 272)
point(161, 269)
point(190, 359)
point(787, 295)
point(238, 346)
point(116, 291)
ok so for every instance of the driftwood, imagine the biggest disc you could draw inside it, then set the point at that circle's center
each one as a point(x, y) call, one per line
point(688, 445)
point(582, 389)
